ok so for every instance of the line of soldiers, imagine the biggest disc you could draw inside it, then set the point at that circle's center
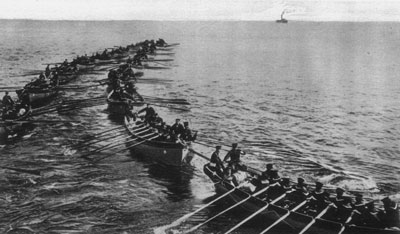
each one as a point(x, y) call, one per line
point(125, 74)
point(341, 207)
point(173, 133)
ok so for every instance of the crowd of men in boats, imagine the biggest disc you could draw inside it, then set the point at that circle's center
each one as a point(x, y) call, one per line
point(50, 78)
point(341, 206)
point(168, 133)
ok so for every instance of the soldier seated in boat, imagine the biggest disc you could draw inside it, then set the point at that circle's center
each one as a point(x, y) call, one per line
point(264, 179)
point(65, 63)
point(155, 120)
point(130, 88)
point(359, 211)
point(177, 128)
point(390, 215)
point(276, 188)
point(342, 207)
point(187, 133)
point(318, 199)
point(8, 103)
point(300, 191)
point(54, 78)
point(47, 70)
point(149, 112)
point(371, 218)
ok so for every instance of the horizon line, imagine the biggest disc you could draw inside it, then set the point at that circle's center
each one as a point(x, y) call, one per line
point(205, 20)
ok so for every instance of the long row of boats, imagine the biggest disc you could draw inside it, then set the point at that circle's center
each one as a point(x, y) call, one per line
point(148, 139)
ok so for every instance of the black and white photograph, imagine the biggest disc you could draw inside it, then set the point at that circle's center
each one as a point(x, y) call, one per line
point(199, 116)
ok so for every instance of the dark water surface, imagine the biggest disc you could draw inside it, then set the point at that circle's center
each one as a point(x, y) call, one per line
point(320, 100)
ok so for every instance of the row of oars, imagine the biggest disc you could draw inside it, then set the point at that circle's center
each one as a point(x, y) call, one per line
point(278, 221)
point(248, 218)
point(69, 105)
point(118, 137)
point(238, 203)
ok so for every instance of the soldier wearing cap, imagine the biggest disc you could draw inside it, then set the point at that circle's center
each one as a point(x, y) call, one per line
point(372, 218)
point(277, 187)
point(343, 206)
point(187, 133)
point(215, 161)
point(319, 198)
point(266, 175)
point(390, 216)
point(359, 213)
point(150, 112)
point(177, 128)
point(300, 191)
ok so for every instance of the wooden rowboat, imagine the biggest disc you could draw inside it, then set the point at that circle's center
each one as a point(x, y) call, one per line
point(296, 221)
point(165, 152)
point(122, 106)
point(13, 126)
point(85, 67)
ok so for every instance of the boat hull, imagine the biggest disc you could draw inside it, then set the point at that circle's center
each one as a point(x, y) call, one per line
point(169, 153)
point(41, 98)
point(85, 67)
point(295, 222)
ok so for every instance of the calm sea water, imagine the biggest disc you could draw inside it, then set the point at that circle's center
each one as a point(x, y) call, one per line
point(320, 100)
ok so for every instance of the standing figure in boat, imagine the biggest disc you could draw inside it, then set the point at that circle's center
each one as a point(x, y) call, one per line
point(216, 162)
point(234, 156)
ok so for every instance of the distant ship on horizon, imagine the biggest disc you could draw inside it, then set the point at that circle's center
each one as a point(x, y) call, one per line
point(282, 20)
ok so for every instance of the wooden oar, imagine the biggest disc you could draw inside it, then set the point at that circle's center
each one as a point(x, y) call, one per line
point(170, 107)
point(33, 172)
point(97, 140)
point(314, 219)
point(347, 221)
point(113, 145)
point(38, 121)
point(255, 213)
point(129, 147)
point(118, 128)
point(172, 44)
point(66, 87)
point(87, 144)
point(107, 147)
point(171, 99)
point(284, 217)
point(11, 87)
point(226, 210)
point(183, 218)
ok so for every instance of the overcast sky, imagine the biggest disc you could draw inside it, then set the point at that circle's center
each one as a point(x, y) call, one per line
point(317, 10)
